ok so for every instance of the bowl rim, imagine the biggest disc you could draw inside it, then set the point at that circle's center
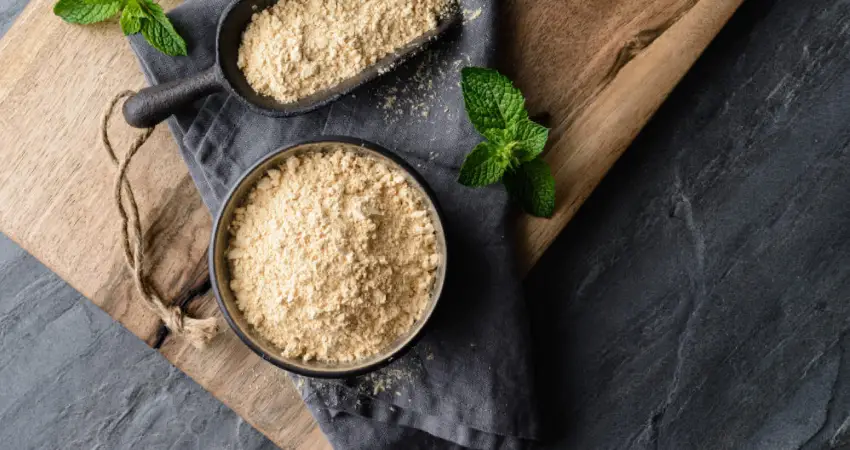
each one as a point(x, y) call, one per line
point(275, 359)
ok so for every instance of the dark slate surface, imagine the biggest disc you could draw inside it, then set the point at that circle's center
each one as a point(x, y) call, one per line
point(71, 377)
point(700, 299)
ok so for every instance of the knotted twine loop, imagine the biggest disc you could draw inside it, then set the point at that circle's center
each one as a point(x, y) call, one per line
point(197, 331)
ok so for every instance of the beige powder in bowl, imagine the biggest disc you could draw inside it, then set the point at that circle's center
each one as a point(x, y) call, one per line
point(300, 47)
point(333, 256)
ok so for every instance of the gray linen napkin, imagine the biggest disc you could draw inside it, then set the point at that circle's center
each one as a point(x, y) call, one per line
point(468, 382)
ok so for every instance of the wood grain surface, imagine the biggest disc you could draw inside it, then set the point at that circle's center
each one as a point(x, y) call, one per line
point(598, 69)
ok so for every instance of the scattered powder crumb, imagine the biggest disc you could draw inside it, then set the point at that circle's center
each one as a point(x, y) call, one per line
point(299, 47)
point(389, 101)
point(391, 378)
point(471, 14)
point(333, 255)
point(430, 356)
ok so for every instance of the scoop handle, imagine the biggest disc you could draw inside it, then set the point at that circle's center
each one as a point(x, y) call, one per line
point(154, 104)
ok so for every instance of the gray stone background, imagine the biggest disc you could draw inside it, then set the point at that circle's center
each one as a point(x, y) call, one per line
point(699, 300)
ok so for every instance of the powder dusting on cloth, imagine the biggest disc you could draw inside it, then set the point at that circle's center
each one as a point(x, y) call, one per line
point(333, 256)
point(299, 47)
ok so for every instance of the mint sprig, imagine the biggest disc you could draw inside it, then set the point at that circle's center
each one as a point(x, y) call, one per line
point(137, 16)
point(511, 151)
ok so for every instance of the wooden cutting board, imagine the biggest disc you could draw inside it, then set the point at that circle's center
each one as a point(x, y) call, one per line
point(598, 68)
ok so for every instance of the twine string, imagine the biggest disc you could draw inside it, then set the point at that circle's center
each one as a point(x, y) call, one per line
point(197, 331)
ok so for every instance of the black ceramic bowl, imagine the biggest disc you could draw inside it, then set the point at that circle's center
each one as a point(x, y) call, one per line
point(220, 276)
point(154, 104)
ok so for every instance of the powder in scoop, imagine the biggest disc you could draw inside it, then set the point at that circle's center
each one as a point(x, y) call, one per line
point(300, 47)
point(333, 256)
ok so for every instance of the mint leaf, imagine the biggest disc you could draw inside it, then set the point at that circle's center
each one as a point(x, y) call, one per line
point(79, 11)
point(533, 186)
point(133, 8)
point(158, 31)
point(531, 139)
point(484, 165)
point(103, 2)
point(498, 135)
point(129, 24)
point(131, 18)
point(491, 99)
